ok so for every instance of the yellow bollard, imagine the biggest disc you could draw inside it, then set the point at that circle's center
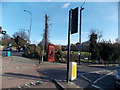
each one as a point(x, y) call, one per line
point(72, 71)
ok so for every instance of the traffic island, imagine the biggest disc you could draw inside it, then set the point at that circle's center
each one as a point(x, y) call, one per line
point(57, 73)
point(76, 84)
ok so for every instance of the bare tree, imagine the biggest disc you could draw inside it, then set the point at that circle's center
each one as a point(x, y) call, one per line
point(99, 34)
point(22, 40)
point(22, 34)
point(46, 32)
point(117, 40)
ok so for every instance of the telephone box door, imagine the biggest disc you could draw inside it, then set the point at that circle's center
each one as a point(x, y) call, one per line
point(51, 52)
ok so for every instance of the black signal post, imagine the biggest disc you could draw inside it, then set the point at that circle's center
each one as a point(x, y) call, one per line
point(68, 49)
point(72, 28)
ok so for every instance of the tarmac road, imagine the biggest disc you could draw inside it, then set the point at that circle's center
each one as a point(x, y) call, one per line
point(99, 77)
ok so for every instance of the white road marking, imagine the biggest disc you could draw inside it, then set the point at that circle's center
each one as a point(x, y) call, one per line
point(97, 87)
point(27, 85)
point(81, 74)
point(91, 72)
point(19, 87)
point(86, 78)
point(70, 83)
point(32, 83)
point(102, 77)
point(98, 72)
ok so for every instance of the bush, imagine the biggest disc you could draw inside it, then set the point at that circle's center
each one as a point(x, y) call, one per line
point(61, 56)
point(58, 56)
point(32, 51)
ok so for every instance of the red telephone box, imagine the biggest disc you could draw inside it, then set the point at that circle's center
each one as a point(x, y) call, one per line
point(51, 52)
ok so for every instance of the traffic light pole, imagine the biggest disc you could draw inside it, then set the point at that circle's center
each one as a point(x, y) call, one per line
point(80, 35)
point(68, 49)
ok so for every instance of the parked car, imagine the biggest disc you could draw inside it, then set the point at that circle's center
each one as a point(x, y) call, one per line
point(117, 79)
point(7, 49)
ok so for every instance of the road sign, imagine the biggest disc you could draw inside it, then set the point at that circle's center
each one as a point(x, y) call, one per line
point(79, 47)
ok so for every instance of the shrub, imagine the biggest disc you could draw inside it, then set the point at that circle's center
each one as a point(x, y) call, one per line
point(58, 56)
point(32, 51)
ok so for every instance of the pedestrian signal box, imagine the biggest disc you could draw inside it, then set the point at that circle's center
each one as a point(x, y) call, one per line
point(51, 52)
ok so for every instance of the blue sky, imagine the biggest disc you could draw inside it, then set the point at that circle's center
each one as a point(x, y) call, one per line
point(102, 16)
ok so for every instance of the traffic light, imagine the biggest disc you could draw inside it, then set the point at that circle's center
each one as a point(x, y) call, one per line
point(17, 39)
point(74, 21)
point(3, 32)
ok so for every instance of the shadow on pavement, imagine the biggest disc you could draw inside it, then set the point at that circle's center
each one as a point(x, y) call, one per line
point(26, 76)
point(58, 74)
point(23, 76)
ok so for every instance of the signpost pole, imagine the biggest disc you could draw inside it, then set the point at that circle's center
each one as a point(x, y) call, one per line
point(68, 49)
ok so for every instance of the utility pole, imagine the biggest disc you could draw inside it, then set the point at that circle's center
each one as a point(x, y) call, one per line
point(46, 33)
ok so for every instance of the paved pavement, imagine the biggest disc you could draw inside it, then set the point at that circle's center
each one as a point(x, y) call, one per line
point(18, 71)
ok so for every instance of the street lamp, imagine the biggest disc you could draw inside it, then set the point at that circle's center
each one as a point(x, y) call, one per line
point(80, 33)
point(30, 23)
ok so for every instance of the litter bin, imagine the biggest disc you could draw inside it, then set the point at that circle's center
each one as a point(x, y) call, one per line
point(8, 53)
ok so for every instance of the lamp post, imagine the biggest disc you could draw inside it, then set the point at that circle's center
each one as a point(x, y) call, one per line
point(80, 33)
point(30, 23)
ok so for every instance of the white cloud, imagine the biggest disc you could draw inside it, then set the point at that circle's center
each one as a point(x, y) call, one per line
point(66, 5)
point(35, 41)
point(113, 40)
point(61, 42)
point(85, 33)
